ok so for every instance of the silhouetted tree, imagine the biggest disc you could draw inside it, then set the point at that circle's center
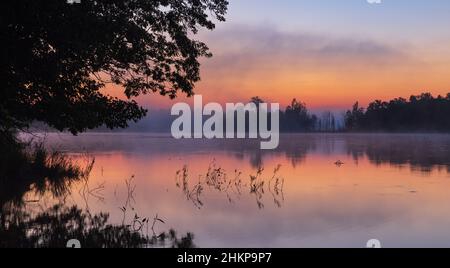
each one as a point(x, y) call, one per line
point(257, 101)
point(420, 113)
point(57, 57)
point(354, 117)
point(297, 118)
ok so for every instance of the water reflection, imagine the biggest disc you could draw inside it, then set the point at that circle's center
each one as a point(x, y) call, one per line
point(390, 187)
point(35, 171)
point(30, 174)
point(216, 178)
point(55, 226)
point(422, 152)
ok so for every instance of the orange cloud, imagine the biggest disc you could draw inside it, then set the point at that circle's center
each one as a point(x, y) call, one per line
point(320, 70)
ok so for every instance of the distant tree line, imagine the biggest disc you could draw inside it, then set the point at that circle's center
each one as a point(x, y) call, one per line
point(297, 118)
point(420, 113)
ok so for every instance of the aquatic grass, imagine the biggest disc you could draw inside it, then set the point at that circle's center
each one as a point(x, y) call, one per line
point(233, 187)
point(146, 227)
point(31, 168)
point(33, 171)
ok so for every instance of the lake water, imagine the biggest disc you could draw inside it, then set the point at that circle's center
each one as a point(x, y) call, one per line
point(315, 190)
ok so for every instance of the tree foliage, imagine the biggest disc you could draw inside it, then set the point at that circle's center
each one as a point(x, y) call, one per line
point(296, 118)
point(419, 113)
point(57, 58)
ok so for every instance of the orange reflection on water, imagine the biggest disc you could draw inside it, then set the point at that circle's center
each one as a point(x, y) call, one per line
point(399, 198)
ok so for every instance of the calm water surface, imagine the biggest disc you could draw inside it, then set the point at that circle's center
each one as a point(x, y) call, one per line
point(330, 190)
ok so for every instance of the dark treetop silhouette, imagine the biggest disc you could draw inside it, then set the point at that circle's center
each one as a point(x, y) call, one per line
point(419, 113)
point(56, 57)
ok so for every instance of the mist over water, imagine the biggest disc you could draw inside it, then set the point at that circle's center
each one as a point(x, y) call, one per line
point(329, 190)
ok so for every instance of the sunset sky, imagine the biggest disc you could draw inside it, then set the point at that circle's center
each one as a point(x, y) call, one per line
point(327, 53)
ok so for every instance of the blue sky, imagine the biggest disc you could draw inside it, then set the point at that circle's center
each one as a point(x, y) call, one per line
point(414, 20)
point(327, 53)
